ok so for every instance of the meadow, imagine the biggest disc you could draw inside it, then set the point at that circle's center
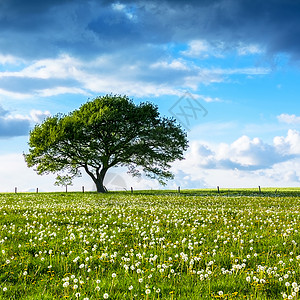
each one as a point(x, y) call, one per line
point(150, 245)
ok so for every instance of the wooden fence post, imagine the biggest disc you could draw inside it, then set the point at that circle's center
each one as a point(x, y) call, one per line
point(16, 190)
point(179, 189)
point(83, 189)
point(131, 189)
point(218, 189)
point(259, 189)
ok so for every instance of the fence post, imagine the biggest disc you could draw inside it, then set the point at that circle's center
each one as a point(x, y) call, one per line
point(218, 189)
point(16, 190)
point(37, 190)
point(131, 189)
point(179, 189)
point(66, 188)
point(259, 189)
point(83, 189)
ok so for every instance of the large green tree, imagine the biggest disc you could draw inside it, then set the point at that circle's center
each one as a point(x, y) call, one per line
point(106, 132)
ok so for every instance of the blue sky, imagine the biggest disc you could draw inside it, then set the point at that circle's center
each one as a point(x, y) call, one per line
point(237, 60)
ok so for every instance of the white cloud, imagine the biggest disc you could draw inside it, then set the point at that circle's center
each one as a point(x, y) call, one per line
point(34, 116)
point(38, 116)
point(244, 153)
point(10, 60)
point(197, 48)
point(242, 71)
point(203, 49)
point(289, 144)
point(176, 64)
point(61, 90)
point(4, 94)
point(209, 99)
point(60, 67)
point(249, 49)
point(288, 119)
point(217, 75)
point(44, 78)
point(123, 8)
point(243, 163)
point(84, 78)
point(123, 86)
point(106, 73)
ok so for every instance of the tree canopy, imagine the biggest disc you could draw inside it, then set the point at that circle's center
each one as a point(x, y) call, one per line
point(106, 132)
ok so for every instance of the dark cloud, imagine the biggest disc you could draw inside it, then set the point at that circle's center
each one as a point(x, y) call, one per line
point(85, 28)
point(11, 7)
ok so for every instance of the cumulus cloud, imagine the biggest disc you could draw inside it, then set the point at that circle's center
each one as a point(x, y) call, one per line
point(244, 153)
point(244, 159)
point(288, 119)
point(289, 144)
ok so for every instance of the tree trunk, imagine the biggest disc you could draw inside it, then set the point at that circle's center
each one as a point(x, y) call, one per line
point(99, 186)
point(98, 178)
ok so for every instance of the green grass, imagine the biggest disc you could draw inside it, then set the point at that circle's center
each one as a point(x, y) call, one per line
point(199, 244)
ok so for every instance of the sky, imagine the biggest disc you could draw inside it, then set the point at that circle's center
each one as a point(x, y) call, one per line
point(227, 70)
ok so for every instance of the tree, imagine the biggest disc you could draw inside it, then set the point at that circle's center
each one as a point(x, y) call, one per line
point(63, 180)
point(106, 132)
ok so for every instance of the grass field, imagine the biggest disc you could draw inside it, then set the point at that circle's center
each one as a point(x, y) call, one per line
point(238, 244)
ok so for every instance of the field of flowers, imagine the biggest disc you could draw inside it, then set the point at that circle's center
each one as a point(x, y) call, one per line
point(203, 245)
